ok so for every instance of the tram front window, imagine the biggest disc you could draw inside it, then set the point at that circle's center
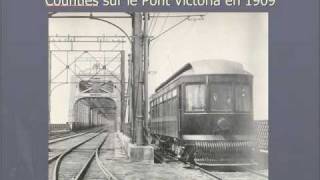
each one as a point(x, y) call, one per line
point(221, 97)
point(243, 101)
point(195, 97)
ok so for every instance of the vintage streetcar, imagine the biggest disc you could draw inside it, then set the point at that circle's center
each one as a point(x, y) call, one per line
point(204, 114)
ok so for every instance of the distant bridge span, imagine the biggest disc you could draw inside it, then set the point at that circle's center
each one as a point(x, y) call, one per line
point(94, 102)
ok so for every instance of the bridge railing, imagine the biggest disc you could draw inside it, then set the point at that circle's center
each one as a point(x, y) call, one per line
point(58, 127)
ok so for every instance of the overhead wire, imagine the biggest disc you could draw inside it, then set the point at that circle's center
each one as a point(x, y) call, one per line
point(164, 22)
point(161, 29)
point(150, 24)
point(154, 24)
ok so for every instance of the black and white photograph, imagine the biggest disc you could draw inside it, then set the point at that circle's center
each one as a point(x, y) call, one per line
point(158, 95)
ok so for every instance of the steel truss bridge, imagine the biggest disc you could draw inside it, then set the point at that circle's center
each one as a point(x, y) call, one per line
point(94, 69)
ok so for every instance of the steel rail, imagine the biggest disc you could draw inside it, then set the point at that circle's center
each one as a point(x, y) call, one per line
point(196, 167)
point(62, 155)
point(105, 171)
point(52, 141)
point(215, 176)
point(53, 158)
point(57, 135)
point(204, 171)
point(82, 172)
point(57, 155)
point(254, 172)
point(209, 173)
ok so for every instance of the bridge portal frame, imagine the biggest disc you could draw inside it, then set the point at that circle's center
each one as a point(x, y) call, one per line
point(100, 40)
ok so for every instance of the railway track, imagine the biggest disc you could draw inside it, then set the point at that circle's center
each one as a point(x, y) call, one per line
point(56, 148)
point(255, 172)
point(105, 171)
point(55, 160)
point(73, 163)
point(244, 174)
point(63, 138)
point(81, 161)
point(56, 135)
point(234, 175)
point(86, 160)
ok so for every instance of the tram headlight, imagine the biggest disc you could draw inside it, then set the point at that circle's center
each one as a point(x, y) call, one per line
point(224, 124)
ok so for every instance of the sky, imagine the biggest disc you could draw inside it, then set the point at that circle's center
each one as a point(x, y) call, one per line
point(239, 37)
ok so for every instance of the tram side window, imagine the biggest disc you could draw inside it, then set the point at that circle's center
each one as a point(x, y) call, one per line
point(153, 109)
point(166, 104)
point(174, 106)
point(221, 96)
point(170, 106)
point(156, 108)
point(160, 106)
point(174, 102)
point(195, 97)
point(243, 101)
point(151, 114)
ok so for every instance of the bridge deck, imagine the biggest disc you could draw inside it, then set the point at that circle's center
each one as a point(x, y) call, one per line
point(115, 159)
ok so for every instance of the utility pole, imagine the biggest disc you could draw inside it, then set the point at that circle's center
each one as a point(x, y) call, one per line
point(137, 77)
point(140, 68)
point(130, 98)
point(146, 67)
point(122, 91)
point(49, 87)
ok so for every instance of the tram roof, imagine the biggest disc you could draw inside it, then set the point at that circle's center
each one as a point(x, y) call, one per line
point(207, 66)
point(218, 66)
